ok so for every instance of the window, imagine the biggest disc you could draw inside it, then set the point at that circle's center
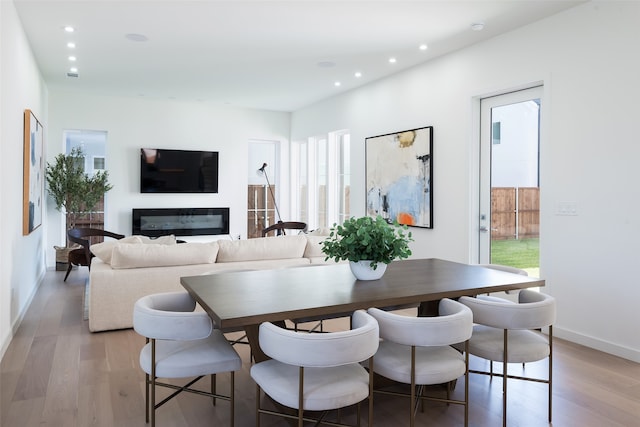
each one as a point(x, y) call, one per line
point(98, 163)
point(321, 184)
point(320, 179)
point(300, 181)
point(344, 184)
point(495, 133)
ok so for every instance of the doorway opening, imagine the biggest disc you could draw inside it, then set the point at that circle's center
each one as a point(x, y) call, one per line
point(94, 147)
point(510, 180)
point(263, 186)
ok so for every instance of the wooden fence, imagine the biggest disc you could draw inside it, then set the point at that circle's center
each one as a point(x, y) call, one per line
point(515, 212)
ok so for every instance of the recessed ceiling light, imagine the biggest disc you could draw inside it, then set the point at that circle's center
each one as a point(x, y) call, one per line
point(73, 69)
point(358, 74)
point(72, 58)
point(136, 37)
point(336, 84)
point(69, 29)
point(477, 26)
point(71, 45)
point(423, 47)
point(392, 60)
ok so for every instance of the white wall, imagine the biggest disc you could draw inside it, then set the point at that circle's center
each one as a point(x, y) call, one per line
point(133, 123)
point(588, 61)
point(21, 257)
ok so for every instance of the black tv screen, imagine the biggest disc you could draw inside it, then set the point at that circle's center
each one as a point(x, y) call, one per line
point(178, 171)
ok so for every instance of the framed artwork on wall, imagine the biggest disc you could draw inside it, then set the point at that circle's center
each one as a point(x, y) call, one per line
point(399, 169)
point(33, 173)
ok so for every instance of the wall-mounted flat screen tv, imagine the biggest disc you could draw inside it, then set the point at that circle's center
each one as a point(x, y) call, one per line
point(178, 171)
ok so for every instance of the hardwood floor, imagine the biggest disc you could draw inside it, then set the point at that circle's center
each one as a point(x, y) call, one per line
point(57, 373)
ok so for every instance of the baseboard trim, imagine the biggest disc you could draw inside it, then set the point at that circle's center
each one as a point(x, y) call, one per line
point(6, 340)
point(597, 344)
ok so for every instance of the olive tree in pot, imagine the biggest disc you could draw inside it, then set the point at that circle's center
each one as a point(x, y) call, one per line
point(369, 244)
point(74, 192)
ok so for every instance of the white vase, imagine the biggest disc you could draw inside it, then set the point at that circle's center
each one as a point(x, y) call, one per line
point(363, 271)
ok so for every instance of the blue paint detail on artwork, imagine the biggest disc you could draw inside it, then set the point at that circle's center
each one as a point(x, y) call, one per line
point(404, 196)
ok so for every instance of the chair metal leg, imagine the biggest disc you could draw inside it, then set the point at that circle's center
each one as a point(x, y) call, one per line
point(466, 383)
point(301, 397)
point(550, 368)
point(371, 391)
point(232, 397)
point(147, 382)
point(257, 405)
point(413, 407)
point(213, 387)
point(153, 383)
point(504, 380)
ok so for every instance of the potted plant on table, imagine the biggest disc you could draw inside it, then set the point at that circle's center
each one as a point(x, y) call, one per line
point(74, 192)
point(369, 244)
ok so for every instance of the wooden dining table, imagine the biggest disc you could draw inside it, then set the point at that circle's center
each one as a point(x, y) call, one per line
point(245, 299)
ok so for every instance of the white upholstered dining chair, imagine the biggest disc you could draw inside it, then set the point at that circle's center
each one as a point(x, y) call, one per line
point(316, 372)
point(507, 332)
point(181, 343)
point(417, 351)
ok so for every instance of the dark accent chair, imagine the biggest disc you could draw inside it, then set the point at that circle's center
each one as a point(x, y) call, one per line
point(83, 255)
point(280, 227)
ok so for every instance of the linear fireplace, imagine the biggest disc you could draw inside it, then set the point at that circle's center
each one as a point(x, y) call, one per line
point(181, 221)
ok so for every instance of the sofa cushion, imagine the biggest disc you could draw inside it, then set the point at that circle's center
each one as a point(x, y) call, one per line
point(135, 256)
point(162, 240)
point(104, 250)
point(314, 246)
point(263, 248)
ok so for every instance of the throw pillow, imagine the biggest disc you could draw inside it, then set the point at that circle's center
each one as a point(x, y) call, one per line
point(314, 246)
point(162, 240)
point(262, 248)
point(104, 250)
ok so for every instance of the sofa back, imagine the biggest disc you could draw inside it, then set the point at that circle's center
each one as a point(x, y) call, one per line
point(132, 253)
point(263, 248)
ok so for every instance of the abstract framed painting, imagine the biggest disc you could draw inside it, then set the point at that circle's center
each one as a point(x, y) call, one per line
point(399, 169)
point(33, 173)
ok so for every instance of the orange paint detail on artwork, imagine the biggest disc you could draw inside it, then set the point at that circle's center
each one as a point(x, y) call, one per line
point(406, 218)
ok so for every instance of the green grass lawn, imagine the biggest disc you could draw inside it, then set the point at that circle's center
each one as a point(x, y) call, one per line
point(523, 253)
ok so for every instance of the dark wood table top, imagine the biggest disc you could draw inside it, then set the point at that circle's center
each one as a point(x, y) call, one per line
point(241, 299)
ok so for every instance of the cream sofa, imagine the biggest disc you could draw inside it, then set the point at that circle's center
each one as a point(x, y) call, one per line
point(125, 270)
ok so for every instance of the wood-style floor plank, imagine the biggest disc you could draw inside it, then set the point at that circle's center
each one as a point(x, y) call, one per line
point(57, 373)
point(34, 378)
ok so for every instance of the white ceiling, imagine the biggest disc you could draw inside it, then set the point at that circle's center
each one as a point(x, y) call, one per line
point(261, 54)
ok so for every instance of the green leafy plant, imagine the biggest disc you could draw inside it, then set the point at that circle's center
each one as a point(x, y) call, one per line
point(367, 239)
point(73, 191)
